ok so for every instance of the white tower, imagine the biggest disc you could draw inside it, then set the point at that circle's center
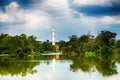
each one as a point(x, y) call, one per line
point(53, 37)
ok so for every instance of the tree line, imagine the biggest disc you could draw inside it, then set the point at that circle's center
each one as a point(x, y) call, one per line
point(105, 42)
point(22, 46)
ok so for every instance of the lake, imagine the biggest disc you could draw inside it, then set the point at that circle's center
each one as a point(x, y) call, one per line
point(59, 69)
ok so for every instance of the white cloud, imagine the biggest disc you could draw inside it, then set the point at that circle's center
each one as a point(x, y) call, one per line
point(41, 17)
point(57, 8)
point(89, 2)
point(13, 14)
point(37, 20)
point(29, 19)
point(105, 20)
point(110, 20)
point(4, 17)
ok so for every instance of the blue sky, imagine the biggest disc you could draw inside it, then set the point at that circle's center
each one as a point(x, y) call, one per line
point(68, 17)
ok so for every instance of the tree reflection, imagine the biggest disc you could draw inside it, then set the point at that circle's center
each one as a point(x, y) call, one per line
point(107, 68)
point(105, 64)
point(83, 63)
point(17, 68)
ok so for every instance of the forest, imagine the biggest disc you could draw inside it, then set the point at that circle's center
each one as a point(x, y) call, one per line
point(85, 52)
point(23, 46)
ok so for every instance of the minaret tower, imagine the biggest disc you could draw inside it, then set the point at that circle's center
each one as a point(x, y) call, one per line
point(53, 37)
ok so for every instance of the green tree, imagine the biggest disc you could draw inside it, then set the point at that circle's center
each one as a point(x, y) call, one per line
point(104, 42)
point(83, 40)
point(4, 40)
point(117, 44)
point(61, 44)
point(106, 38)
point(31, 42)
point(47, 46)
point(19, 46)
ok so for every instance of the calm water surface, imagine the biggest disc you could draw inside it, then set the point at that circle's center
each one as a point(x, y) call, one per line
point(50, 70)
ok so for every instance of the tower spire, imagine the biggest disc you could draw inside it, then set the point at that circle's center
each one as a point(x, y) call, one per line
point(53, 37)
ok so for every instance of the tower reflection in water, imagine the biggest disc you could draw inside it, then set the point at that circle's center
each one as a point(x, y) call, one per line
point(54, 66)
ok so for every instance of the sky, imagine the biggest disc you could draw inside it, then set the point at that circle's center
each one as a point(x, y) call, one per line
point(68, 17)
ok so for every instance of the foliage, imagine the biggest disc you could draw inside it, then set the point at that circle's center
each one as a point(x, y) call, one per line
point(18, 46)
point(61, 44)
point(13, 68)
point(86, 52)
point(103, 43)
point(90, 54)
point(47, 46)
point(22, 46)
point(102, 63)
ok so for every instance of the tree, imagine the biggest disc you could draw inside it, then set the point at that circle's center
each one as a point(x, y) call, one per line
point(4, 40)
point(106, 38)
point(47, 46)
point(117, 44)
point(31, 42)
point(61, 44)
point(83, 40)
point(19, 46)
point(105, 42)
